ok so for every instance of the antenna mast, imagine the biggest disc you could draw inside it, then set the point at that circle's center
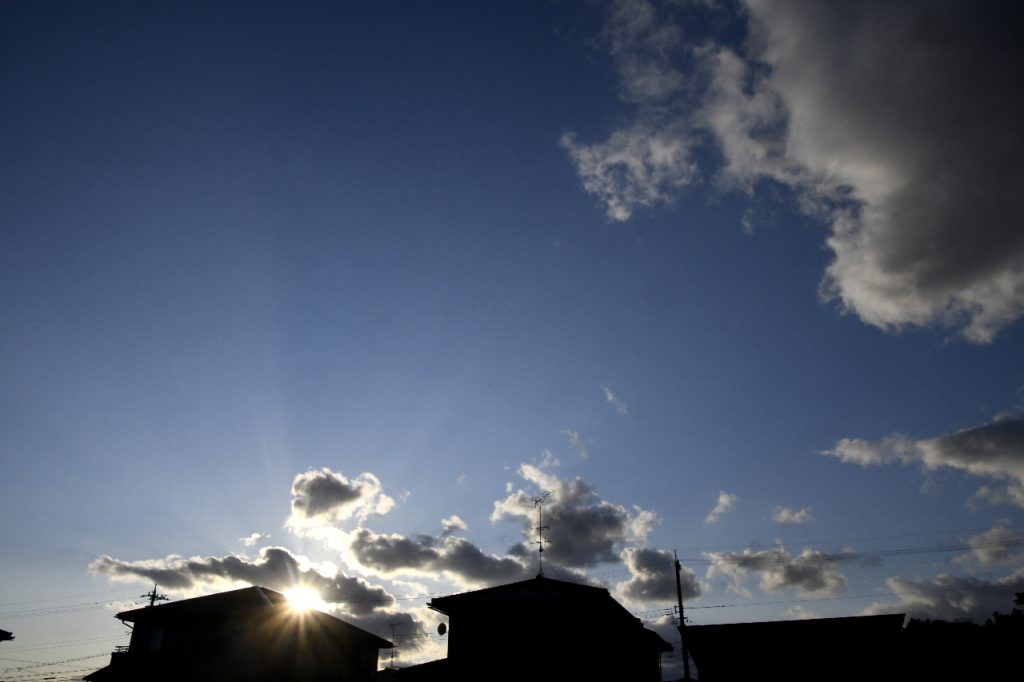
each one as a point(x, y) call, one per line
point(539, 504)
point(153, 596)
point(393, 646)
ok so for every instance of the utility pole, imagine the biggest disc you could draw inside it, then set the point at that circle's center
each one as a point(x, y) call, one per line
point(682, 618)
point(153, 596)
point(539, 504)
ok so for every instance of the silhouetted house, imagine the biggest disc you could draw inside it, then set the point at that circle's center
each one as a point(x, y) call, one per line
point(251, 634)
point(6, 636)
point(542, 629)
point(814, 649)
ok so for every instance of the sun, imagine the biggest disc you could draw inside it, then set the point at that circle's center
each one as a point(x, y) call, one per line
point(302, 599)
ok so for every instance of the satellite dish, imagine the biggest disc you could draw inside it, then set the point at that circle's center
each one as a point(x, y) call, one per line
point(442, 628)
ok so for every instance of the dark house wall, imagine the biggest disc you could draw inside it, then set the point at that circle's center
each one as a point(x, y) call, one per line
point(817, 649)
point(246, 635)
point(547, 630)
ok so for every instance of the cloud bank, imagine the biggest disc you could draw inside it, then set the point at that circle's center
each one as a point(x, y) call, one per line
point(950, 597)
point(896, 125)
point(423, 555)
point(276, 568)
point(994, 450)
point(811, 572)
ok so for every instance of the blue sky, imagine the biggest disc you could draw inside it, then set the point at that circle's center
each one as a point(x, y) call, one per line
point(335, 274)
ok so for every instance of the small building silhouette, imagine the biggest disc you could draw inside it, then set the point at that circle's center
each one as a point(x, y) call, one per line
point(812, 649)
point(542, 629)
point(250, 634)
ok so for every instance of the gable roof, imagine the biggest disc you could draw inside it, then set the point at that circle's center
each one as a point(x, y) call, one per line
point(233, 601)
point(845, 626)
point(581, 601)
point(539, 588)
point(244, 602)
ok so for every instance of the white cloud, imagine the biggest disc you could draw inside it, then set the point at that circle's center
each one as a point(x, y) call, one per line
point(253, 539)
point(895, 124)
point(811, 572)
point(798, 612)
point(725, 504)
point(994, 450)
point(452, 524)
point(792, 517)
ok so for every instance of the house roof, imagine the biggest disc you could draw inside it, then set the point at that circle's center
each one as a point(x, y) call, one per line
point(585, 601)
point(248, 600)
point(530, 590)
point(834, 627)
point(223, 602)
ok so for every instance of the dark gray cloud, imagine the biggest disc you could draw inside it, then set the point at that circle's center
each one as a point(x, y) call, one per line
point(949, 597)
point(895, 124)
point(654, 577)
point(994, 450)
point(810, 572)
point(276, 568)
point(458, 558)
point(324, 496)
point(584, 530)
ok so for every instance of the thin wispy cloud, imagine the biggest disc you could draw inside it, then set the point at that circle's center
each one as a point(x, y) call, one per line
point(726, 503)
point(577, 442)
point(619, 406)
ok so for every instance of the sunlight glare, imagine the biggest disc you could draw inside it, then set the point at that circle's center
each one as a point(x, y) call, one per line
point(302, 599)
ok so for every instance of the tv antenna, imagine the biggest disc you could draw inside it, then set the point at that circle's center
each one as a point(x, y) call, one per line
point(153, 596)
point(394, 647)
point(540, 528)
